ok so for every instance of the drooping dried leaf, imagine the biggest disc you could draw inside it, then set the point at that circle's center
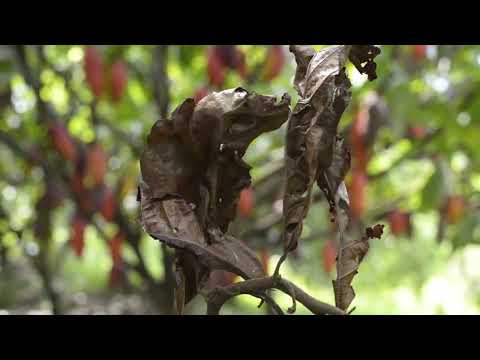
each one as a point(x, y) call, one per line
point(174, 223)
point(311, 138)
point(167, 166)
point(180, 284)
point(349, 258)
point(235, 117)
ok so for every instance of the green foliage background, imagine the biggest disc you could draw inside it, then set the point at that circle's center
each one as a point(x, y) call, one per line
point(401, 275)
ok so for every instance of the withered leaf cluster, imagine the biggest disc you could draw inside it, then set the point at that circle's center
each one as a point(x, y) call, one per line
point(192, 175)
point(193, 170)
point(312, 140)
point(315, 152)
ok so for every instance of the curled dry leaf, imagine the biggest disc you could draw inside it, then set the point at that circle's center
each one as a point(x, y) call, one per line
point(311, 138)
point(222, 127)
point(173, 222)
point(314, 151)
point(192, 176)
point(349, 258)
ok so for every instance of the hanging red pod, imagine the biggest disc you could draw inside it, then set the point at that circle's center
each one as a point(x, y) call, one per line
point(399, 222)
point(274, 63)
point(96, 165)
point(215, 68)
point(329, 256)
point(62, 141)
point(118, 80)
point(77, 239)
point(246, 202)
point(358, 192)
point(108, 206)
point(93, 68)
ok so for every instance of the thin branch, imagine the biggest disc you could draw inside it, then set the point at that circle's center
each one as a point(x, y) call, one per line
point(217, 297)
point(160, 78)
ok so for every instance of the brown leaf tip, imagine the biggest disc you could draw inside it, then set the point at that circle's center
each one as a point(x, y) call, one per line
point(362, 56)
point(375, 231)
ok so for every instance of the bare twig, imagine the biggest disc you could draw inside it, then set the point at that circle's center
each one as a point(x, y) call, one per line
point(217, 297)
point(161, 86)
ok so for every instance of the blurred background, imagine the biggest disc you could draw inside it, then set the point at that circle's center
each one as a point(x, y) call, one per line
point(73, 120)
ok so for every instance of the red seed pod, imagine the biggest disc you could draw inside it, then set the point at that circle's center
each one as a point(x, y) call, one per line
point(419, 51)
point(455, 209)
point(108, 207)
point(399, 222)
point(274, 63)
point(62, 141)
point(329, 255)
point(246, 202)
point(94, 70)
point(77, 240)
point(215, 67)
point(96, 165)
point(118, 80)
point(417, 132)
point(116, 247)
point(357, 192)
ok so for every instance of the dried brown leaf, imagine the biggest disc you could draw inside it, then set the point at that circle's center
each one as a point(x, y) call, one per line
point(192, 176)
point(223, 125)
point(330, 180)
point(173, 221)
point(312, 129)
point(350, 256)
